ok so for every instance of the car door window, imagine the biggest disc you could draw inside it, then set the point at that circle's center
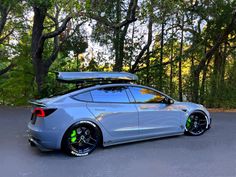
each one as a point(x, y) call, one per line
point(144, 95)
point(110, 95)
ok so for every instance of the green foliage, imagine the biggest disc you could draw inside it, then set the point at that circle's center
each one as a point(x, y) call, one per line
point(204, 22)
point(77, 43)
point(41, 3)
point(17, 87)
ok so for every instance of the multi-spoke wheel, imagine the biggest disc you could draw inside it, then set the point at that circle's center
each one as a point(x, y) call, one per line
point(81, 139)
point(196, 124)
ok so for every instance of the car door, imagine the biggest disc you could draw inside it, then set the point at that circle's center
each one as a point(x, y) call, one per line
point(155, 116)
point(111, 106)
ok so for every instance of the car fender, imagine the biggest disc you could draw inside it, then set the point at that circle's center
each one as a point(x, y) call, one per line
point(202, 112)
point(89, 121)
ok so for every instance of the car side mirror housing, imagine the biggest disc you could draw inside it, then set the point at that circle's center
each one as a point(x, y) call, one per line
point(169, 100)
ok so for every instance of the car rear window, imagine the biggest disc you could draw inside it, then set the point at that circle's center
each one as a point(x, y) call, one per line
point(85, 96)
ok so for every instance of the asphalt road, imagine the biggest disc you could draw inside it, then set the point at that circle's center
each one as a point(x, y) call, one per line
point(210, 155)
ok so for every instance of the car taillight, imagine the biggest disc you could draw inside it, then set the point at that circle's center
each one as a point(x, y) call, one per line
point(41, 112)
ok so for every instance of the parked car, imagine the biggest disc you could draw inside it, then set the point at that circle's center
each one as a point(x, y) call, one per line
point(112, 110)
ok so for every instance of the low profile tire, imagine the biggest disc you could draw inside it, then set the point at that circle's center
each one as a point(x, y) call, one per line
point(196, 124)
point(81, 139)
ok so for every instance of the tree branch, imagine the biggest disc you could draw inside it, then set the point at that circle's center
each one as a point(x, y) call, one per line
point(8, 68)
point(58, 46)
point(100, 19)
point(53, 56)
point(129, 18)
point(59, 30)
point(54, 19)
point(5, 37)
point(145, 48)
point(158, 64)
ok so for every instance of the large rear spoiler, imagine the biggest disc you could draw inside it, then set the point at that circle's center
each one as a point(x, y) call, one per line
point(84, 77)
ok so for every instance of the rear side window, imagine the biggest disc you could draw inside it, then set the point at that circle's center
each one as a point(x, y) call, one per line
point(143, 95)
point(85, 96)
point(110, 95)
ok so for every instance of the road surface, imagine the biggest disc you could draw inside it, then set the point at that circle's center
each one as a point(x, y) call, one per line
point(210, 155)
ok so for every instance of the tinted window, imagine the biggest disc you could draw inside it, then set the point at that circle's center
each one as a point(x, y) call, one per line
point(86, 96)
point(143, 95)
point(110, 94)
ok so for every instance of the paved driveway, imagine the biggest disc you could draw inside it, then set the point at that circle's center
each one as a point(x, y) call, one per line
point(210, 155)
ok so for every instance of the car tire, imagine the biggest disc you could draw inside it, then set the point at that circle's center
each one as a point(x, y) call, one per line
point(81, 139)
point(196, 124)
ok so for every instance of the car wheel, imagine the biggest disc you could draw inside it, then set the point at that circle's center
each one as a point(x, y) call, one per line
point(196, 124)
point(81, 139)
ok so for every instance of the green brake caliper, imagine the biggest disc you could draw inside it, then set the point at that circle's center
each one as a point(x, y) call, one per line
point(188, 123)
point(73, 136)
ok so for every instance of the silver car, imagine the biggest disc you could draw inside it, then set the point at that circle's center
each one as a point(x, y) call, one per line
point(110, 111)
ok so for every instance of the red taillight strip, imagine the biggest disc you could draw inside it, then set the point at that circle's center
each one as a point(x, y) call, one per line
point(39, 112)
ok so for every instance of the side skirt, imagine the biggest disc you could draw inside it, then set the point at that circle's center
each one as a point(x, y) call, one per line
point(110, 143)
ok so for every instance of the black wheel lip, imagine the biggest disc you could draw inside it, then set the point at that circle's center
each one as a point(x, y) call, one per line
point(65, 142)
point(207, 125)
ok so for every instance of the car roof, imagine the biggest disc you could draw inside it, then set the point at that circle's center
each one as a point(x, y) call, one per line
point(112, 85)
point(81, 90)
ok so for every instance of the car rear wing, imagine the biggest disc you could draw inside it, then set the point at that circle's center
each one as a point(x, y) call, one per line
point(37, 103)
point(85, 77)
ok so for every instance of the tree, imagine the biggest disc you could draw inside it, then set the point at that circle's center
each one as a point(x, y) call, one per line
point(41, 62)
point(5, 8)
point(113, 22)
point(221, 38)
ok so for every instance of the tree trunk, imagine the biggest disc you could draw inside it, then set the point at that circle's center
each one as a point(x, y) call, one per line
point(37, 46)
point(196, 75)
point(180, 61)
point(117, 44)
point(42, 65)
point(202, 90)
point(120, 31)
point(171, 69)
point(217, 79)
point(161, 55)
point(171, 60)
point(148, 69)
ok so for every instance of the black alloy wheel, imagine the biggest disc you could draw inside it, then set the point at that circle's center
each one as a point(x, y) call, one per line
point(81, 139)
point(196, 124)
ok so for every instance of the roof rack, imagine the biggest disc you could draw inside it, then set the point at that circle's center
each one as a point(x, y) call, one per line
point(97, 77)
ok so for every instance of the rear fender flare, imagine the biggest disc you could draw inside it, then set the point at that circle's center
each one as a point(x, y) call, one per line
point(91, 123)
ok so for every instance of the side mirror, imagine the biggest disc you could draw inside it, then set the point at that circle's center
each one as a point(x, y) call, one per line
point(169, 100)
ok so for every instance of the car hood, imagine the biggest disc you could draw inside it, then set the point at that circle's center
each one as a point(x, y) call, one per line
point(189, 107)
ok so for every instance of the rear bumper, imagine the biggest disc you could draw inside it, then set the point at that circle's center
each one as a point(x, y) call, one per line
point(34, 142)
point(44, 139)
